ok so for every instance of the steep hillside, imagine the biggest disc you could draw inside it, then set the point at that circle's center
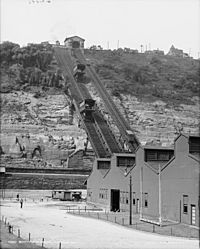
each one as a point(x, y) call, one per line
point(158, 95)
point(148, 77)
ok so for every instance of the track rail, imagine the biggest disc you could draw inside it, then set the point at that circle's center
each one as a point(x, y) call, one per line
point(65, 63)
point(122, 125)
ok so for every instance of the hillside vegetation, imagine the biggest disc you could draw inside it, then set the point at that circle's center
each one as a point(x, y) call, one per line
point(23, 67)
point(148, 77)
point(157, 94)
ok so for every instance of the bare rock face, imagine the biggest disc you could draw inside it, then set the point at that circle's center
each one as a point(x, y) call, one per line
point(153, 122)
point(159, 121)
point(46, 130)
point(39, 127)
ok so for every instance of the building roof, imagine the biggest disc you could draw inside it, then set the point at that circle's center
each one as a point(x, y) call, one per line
point(187, 135)
point(71, 37)
point(66, 190)
point(158, 147)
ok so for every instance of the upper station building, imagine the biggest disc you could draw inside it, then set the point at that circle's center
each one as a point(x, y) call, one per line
point(74, 42)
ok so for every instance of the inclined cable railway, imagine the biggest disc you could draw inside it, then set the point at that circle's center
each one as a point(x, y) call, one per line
point(99, 133)
point(64, 62)
point(122, 125)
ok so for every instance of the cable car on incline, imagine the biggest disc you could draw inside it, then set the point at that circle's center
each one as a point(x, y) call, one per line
point(87, 105)
point(79, 71)
point(132, 138)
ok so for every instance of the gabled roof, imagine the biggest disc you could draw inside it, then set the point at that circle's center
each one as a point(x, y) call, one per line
point(154, 166)
point(187, 135)
point(158, 147)
point(71, 37)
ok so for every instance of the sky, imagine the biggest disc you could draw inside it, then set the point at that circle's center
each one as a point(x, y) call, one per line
point(155, 24)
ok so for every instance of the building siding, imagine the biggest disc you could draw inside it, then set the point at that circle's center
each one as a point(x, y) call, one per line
point(179, 176)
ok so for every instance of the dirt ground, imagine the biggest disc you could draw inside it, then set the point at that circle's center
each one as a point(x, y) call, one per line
point(51, 221)
point(11, 241)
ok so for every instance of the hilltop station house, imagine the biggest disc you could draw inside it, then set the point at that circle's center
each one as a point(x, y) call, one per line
point(74, 42)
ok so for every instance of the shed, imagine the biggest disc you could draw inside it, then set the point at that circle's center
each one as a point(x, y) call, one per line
point(74, 42)
point(67, 195)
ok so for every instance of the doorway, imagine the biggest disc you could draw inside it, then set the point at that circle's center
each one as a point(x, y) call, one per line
point(193, 214)
point(76, 44)
point(115, 200)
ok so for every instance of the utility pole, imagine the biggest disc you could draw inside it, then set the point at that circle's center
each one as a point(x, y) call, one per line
point(189, 51)
point(3, 176)
point(117, 44)
point(130, 196)
point(130, 214)
point(141, 191)
point(160, 200)
point(108, 44)
point(141, 48)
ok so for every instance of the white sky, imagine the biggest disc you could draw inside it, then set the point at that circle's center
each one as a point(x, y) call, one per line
point(152, 23)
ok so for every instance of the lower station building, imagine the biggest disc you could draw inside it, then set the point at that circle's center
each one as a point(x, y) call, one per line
point(164, 181)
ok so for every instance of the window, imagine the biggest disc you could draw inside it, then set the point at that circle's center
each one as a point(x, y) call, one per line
point(158, 155)
point(145, 199)
point(134, 198)
point(194, 145)
point(106, 194)
point(125, 161)
point(103, 164)
point(150, 155)
point(185, 204)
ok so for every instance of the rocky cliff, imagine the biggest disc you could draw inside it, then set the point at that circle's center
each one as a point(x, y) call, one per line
point(157, 95)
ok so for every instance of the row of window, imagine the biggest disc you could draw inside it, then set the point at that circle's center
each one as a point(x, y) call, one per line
point(124, 198)
point(186, 203)
point(166, 155)
point(103, 193)
point(125, 161)
point(121, 162)
point(151, 155)
point(158, 155)
point(103, 164)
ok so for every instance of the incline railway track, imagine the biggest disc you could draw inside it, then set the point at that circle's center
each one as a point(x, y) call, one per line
point(66, 64)
point(122, 125)
point(96, 120)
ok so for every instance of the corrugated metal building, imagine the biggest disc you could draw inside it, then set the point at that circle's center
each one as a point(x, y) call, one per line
point(165, 181)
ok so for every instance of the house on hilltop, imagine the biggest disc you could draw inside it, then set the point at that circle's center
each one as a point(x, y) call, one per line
point(74, 42)
point(154, 52)
point(177, 52)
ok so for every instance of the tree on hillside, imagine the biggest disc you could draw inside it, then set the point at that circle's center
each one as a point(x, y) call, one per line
point(7, 50)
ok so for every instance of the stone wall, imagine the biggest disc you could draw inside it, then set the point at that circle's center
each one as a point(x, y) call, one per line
point(42, 181)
